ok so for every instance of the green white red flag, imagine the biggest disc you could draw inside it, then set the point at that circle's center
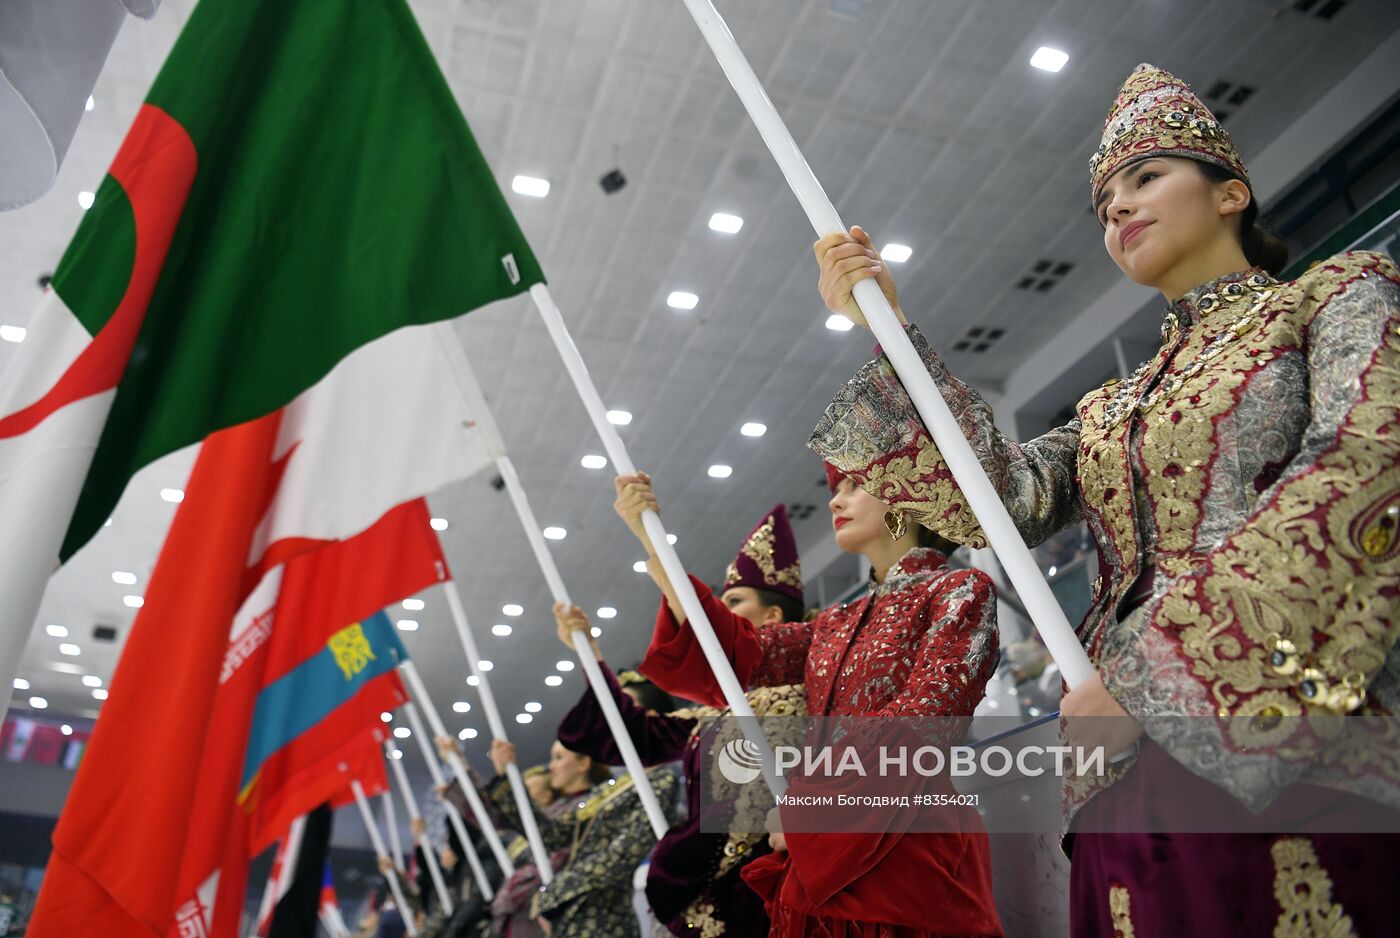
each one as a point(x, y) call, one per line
point(299, 184)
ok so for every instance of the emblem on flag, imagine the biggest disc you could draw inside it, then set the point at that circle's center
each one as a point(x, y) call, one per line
point(351, 649)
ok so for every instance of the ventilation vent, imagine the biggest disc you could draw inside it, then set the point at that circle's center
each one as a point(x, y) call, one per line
point(801, 511)
point(104, 633)
point(978, 339)
point(1224, 96)
point(1044, 275)
point(1320, 9)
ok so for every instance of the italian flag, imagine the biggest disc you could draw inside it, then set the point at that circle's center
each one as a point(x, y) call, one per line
point(298, 193)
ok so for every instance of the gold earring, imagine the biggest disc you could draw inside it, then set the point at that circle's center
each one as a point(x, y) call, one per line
point(895, 522)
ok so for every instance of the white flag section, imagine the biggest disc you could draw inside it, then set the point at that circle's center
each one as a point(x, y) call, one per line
point(44, 460)
point(387, 425)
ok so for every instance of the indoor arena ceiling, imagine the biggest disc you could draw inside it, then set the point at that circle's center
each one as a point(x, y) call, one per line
point(924, 120)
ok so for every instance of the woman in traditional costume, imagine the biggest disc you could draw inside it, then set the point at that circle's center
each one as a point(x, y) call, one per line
point(1243, 487)
point(922, 642)
point(694, 885)
point(606, 832)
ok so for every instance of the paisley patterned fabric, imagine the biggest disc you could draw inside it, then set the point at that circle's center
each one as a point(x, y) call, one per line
point(609, 836)
point(1251, 470)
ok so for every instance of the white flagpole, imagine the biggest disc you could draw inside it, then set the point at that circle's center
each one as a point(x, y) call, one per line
point(459, 766)
point(986, 504)
point(391, 824)
point(405, 912)
point(498, 731)
point(424, 844)
point(486, 425)
point(454, 818)
point(288, 854)
point(656, 532)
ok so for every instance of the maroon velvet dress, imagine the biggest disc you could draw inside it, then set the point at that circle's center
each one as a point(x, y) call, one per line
point(923, 643)
point(693, 882)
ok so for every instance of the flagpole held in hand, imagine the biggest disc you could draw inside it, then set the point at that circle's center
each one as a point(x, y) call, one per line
point(425, 845)
point(656, 532)
point(982, 497)
point(380, 851)
point(391, 824)
point(454, 817)
point(459, 769)
point(490, 433)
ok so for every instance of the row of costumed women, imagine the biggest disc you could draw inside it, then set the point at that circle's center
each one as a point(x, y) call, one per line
point(1243, 490)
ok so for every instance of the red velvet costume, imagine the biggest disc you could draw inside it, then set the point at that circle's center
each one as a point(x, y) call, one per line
point(923, 643)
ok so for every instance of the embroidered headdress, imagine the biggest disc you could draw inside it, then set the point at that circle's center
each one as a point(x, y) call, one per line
point(768, 560)
point(1157, 114)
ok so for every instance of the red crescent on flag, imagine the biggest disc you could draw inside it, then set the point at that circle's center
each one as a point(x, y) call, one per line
point(155, 168)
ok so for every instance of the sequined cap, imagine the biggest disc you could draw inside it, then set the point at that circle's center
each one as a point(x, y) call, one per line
point(1157, 114)
point(768, 560)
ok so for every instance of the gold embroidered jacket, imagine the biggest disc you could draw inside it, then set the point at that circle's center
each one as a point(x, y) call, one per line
point(1254, 465)
point(609, 836)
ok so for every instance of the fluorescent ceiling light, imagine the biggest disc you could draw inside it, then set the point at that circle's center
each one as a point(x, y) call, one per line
point(532, 186)
point(680, 299)
point(619, 418)
point(896, 253)
point(753, 429)
point(838, 323)
point(594, 461)
point(725, 223)
point(1049, 60)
